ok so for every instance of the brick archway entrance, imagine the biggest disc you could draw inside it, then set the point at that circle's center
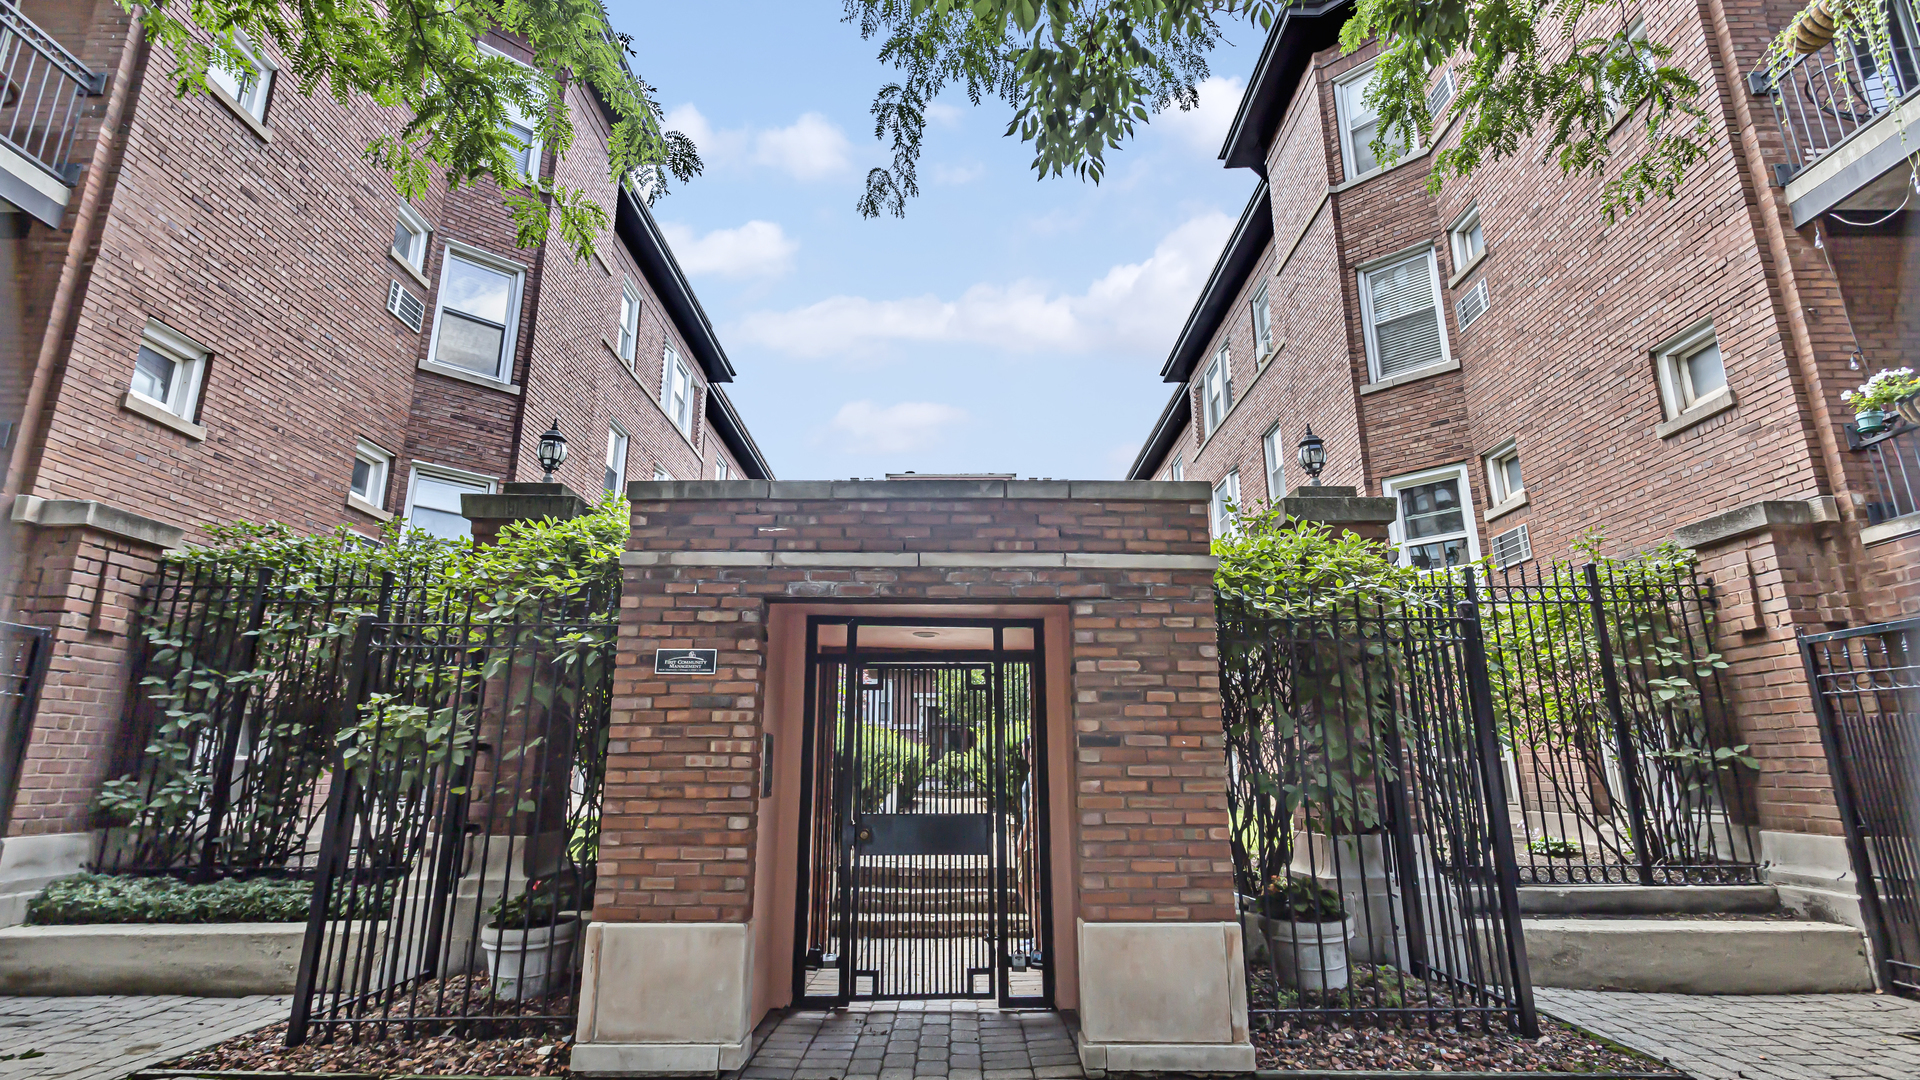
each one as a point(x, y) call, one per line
point(923, 833)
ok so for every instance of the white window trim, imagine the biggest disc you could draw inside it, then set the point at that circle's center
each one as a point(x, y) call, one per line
point(1218, 520)
point(1396, 531)
point(722, 470)
point(1439, 310)
point(503, 376)
point(660, 474)
point(1636, 36)
point(629, 328)
point(415, 221)
point(1682, 408)
point(513, 113)
point(190, 362)
point(255, 112)
point(382, 461)
point(1343, 92)
point(1223, 362)
point(1456, 235)
point(1177, 471)
point(1276, 467)
point(1503, 501)
point(626, 450)
point(419, 468)
point(668, 357)
point(1263, 340)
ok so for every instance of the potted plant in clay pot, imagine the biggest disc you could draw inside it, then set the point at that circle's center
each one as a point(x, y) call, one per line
point(1307, 930)
point(1878, 394)
point(529, 940)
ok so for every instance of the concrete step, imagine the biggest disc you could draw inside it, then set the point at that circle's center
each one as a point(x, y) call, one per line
point(927, 901)
point(1697, 955)
point(900, 925)
point(1648, 899)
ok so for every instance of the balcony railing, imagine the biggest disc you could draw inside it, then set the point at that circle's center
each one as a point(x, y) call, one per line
point(1822, 97)
point(1893, 460)
point(41, 89)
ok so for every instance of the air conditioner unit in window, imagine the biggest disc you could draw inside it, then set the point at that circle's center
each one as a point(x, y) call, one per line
point(1511, 548)
point(1473, 305)
point(405, 306)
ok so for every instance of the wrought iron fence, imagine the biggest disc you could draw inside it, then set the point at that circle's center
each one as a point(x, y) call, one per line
point(1372, 847)
point(25, 653)
point(42, 86)
point(1620, 761)
point(461, 831)
point(1866, 695)
point(1824, 96)
point(1893, 461)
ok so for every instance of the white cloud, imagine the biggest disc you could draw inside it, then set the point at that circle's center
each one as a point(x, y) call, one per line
point(756, 249)
point(1204, 127)
point(1135, 308)
point(863, 427)
point(808, 149)
point(943, 114)
point(956, 174)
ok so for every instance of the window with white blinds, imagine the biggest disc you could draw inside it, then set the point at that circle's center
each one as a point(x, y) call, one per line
point(1400, 304)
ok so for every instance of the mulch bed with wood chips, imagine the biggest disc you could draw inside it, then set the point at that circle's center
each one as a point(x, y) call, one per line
point(265, 1050)
point(1446, 1049)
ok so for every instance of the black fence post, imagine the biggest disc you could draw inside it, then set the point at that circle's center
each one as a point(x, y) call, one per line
point(1844, 801)
point(16, 727)
point(333, 839)
point(1499, 827)
point(235, 707)
point(1624, 745)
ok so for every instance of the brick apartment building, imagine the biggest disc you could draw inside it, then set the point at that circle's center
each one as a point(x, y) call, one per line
point(222, 311)
point(1514, 371)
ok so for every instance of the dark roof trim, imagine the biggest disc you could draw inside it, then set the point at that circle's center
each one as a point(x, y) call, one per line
point(635, 226)
point(1173, 420)
point(1237, 260)
point(726, 424)
point(1304, 28)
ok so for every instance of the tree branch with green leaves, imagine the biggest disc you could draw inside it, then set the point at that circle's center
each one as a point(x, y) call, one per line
point(423, 58)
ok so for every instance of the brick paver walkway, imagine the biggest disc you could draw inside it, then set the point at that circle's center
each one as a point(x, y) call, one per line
point(1784, 1037)
point(959, 1040)
point(105, 1038)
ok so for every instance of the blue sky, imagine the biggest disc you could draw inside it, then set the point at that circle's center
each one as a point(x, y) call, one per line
point(1005, 325)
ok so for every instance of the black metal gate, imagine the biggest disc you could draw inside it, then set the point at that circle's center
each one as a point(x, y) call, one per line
point(1866, 694)
point(25, 652)
point(461, 828)
point(925, 788)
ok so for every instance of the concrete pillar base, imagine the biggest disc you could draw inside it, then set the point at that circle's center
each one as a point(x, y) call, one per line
point(1163, 997)
point(662, 999)
point(1813, 876)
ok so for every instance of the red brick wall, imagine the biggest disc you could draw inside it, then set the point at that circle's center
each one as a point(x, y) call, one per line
point(679, 823)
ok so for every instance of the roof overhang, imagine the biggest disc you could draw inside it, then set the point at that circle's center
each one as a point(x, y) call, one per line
point(1242, 253)
point(1304, 28)
point(727, 425)
point(1166, 431)
point(635, 226)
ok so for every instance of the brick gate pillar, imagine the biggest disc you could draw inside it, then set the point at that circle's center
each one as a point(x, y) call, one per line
point(691, 938)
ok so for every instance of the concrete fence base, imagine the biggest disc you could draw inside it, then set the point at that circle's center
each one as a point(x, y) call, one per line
point(212, 960)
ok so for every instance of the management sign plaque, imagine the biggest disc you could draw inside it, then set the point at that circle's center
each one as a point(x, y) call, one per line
point(686, 661)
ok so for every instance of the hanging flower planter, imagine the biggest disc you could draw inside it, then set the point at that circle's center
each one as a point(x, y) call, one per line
point(1893, 388)
point(1909, 408)
point(1869, 422)
point(1813, 30)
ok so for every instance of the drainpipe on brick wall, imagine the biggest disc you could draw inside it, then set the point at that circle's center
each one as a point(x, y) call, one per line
point(106, 159)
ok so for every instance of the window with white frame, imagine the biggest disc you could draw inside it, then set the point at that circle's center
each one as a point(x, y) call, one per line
point(1226, 502)
point(1270, 448)
point(1433, 522)
point(478, 313)
point(1503, 473)
point(1400, 310)
point(1359, 124)
point(370, 467)
point(1469, 242)
point(660, 473)
point(1178, 470)
point(629, 320)
point(1692, 373)
point(526, 156)
point(1216, 389)
point(248, 87)
point(168, 370)
point(410, 236)
point(676, 391)
point(616, 472)
point(722, 470)
point(1440, 93)
point(1262, 324)
point(1636, 37)
point(433, 501)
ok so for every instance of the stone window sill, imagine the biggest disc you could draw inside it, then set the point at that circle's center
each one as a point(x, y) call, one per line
point(1891, 529)
point(1461, 274)
point(134, 403)
point(470, 377)
point(412, 271)
point(1410, 376)
point(1712, 405)
point(1507, 507)
point(263, 131)
point(355, 502)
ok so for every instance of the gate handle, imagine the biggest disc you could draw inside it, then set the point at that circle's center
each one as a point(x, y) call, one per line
point(863, 834)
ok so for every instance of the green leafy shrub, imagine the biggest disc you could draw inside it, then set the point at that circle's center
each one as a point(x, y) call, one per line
point(890, 763)
point(107, 898)
point(1301, 899)
point(542, 904)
